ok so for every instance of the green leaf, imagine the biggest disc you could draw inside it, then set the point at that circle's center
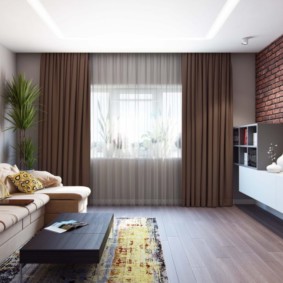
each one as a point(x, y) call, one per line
point(20, 97)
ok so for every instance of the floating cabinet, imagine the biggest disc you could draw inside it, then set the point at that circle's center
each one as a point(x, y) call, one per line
point(251, 143)
point(262, 186)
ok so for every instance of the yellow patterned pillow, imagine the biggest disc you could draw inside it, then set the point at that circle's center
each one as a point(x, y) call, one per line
point(25, 182)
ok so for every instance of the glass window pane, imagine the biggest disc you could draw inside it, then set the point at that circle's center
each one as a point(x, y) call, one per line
point(136, 121)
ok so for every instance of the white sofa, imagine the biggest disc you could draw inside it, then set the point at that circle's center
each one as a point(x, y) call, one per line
point(18, 224)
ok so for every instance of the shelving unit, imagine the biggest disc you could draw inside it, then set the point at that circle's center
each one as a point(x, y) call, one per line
point(251, 143)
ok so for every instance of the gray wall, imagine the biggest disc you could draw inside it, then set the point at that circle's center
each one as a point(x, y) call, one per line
point(243, 68)
point(7, 138)
point(29, 65)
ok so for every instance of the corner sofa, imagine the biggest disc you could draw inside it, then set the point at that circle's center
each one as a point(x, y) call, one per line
point(18, 224)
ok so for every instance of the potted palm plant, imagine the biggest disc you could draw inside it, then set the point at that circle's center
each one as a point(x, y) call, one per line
point(20, 97)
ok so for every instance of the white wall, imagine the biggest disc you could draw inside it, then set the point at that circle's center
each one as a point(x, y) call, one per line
point(243, 72)
point(7, 138)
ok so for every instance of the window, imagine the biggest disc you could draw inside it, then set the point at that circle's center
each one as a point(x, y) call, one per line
point(136, 121)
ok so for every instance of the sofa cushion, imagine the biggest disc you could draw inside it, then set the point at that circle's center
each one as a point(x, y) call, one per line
point(46, 178)
point(4, 192)
point(25, 182)
point(11, 214)
point(5, 170)
point(66, 192)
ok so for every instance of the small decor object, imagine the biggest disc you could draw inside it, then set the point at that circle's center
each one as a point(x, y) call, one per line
point(64, 226)
point(273, 168)
point(245, 158)
point(280, 162)
point(272, 152)
point(245, 136)
point(255, 139)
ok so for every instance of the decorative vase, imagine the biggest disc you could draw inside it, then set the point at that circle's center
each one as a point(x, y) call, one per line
point(280, 162)
point(273, 168)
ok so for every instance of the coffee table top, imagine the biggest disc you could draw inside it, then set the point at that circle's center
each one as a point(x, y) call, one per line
point(82, 245)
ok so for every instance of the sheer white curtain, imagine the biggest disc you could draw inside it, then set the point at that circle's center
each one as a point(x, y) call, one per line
point(136, 129)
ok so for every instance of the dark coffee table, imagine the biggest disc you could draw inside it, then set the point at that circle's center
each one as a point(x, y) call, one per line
point(82, 245)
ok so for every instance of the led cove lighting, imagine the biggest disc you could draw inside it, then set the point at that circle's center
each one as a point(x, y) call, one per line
point(43, 14)
point(225, 12)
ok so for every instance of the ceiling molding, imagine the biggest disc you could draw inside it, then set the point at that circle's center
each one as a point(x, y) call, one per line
point(219, 21)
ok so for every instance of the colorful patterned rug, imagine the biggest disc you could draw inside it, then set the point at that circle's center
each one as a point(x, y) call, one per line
point(133, 254)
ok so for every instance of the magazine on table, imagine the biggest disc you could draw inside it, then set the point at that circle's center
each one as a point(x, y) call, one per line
point(64, 226)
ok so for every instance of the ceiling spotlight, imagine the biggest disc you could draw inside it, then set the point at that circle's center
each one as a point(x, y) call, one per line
point(245, 40)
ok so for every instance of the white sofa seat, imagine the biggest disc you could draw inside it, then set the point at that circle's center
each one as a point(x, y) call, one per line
point(10, 215)
point(65, 199)
point(19, 223)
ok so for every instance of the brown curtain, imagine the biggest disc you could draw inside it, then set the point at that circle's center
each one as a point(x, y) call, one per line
point(64, 130)
point(207, 148)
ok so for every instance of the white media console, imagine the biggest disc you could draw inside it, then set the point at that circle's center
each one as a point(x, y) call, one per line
point(262, 186)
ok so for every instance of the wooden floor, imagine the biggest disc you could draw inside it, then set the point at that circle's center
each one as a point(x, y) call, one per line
point(212, 244)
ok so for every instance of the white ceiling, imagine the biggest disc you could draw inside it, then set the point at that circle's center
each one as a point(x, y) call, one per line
point(139, 25)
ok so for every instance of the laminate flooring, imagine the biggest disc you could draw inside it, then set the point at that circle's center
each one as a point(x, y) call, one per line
point(268, 220)
point(212, 244)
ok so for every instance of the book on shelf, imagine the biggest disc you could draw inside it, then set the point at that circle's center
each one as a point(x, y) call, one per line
point(245, 136)
point(235, 138)
point(255, 139)
point(245, 158)
point(64, 226)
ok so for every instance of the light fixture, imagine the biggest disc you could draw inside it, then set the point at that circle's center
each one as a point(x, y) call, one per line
point(225, 12)
point(245, 41)
point(44, 15)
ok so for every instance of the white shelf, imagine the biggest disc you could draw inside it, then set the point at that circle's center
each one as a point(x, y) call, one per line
point(251, 143)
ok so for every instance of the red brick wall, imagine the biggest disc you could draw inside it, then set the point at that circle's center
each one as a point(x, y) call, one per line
point(269, 83)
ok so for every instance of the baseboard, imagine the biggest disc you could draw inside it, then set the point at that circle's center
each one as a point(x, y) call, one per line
point(270, 210)
point(244, 201)
point(265, 218)
point(134, 202)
